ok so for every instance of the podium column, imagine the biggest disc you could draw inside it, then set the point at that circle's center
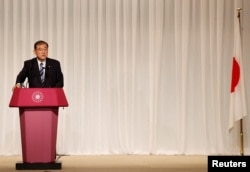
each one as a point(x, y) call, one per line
point(38, 111)
point(38, 135)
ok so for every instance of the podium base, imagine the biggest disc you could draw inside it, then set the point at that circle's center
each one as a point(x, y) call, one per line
point(38, 166)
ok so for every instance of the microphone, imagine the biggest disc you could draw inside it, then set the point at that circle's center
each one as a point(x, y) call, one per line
point(27, 84)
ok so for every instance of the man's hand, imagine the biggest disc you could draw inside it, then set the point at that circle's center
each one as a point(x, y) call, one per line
point(18, 85)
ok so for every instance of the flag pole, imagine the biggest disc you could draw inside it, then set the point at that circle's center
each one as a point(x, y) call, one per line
point(241, 139)
point(241, 121)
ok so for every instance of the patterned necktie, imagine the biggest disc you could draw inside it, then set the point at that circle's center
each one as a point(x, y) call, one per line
point(41, 71)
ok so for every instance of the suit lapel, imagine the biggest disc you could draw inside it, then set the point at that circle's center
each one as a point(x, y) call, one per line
point(36, 68)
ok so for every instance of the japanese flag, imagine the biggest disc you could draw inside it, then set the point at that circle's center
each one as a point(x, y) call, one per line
point(238, 105)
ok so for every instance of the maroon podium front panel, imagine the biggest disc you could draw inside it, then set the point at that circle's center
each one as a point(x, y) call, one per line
point(38, 134)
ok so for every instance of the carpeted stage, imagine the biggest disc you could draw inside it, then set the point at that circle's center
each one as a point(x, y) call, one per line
point(118, 163)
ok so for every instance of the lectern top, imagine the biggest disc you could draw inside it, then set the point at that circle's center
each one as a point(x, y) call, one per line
point(38, 97)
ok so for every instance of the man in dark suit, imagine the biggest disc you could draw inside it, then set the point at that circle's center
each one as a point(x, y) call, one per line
point(41, 71)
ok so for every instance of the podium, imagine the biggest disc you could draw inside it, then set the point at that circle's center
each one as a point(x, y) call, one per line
point(38, 111)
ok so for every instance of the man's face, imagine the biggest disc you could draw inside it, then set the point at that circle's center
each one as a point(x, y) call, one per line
point(41, 51)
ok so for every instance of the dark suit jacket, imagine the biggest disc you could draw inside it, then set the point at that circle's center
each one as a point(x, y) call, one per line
point(53, 74)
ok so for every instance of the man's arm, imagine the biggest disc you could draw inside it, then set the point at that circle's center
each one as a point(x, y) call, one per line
point(59, 77)
point(21, 77)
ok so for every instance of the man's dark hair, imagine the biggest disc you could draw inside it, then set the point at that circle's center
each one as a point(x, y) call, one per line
point(40, 42)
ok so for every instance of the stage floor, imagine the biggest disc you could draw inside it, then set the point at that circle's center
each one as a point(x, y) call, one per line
point(118, 163)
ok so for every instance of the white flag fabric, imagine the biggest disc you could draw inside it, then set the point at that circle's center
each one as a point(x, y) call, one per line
point(238, 105)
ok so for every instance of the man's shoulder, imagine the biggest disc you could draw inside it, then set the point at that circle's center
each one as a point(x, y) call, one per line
point(30, 60)
point(50, 60)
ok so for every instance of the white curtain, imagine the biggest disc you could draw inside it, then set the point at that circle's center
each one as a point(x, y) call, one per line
point(141, 76)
